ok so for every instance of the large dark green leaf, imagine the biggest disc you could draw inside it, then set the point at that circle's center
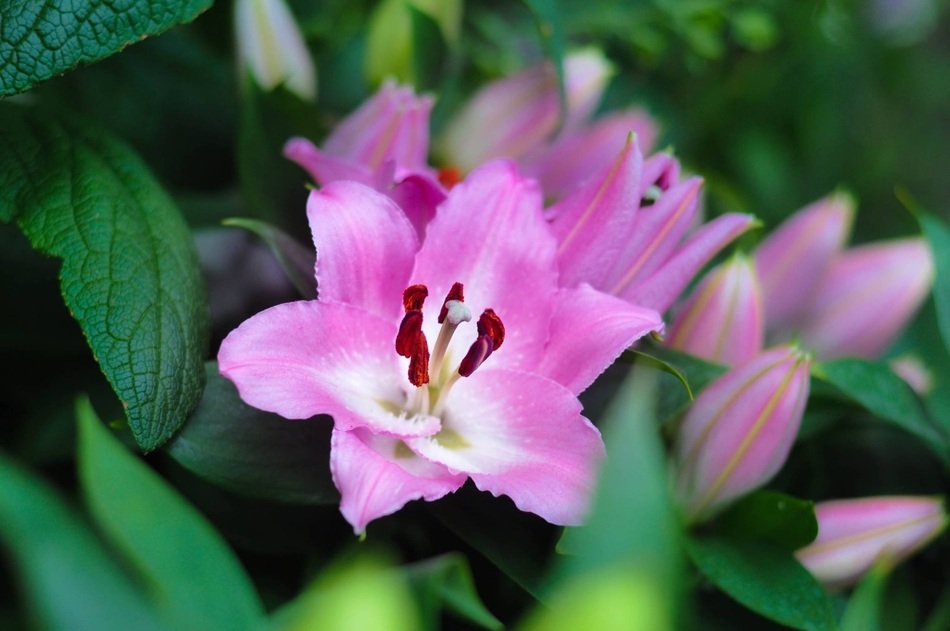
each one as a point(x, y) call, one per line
point(130, 273)
point(190, 570)
point(875, 387)
point(68, 578)
point(41, 39)
point(765, 578)
point(252, 452)
point(447, 581)
point(771, 516)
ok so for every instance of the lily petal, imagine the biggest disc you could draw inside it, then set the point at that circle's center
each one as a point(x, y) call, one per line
point(323, 167)
point(418, 196)
point(365, 247)
point(305, 358)
point(377, 475)
point(520, 435)
point(590, 329)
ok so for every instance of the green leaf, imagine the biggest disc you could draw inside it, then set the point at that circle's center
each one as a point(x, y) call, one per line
point(863, 612)
point(41, 39)
point(429, 50)
point(697, 372)
point(296, 260)
point(130, 273)
point(189, 568)
point(875, 387)
point(771, 516)
point(632, 523)
point(547, 16)
point(68, 578)
point(249, 451)
point(937, 234)
point(765, 578)
point(666, 367)
point(446, 580)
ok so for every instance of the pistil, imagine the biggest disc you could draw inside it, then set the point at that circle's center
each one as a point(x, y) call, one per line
point(453, 313)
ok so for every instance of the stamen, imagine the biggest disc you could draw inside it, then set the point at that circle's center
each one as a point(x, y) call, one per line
point(419, 362)
point(490, 324)
point(409, 329)
point(449, 176)
point(457, 294)
point(477, 353)
point(410, 340)
point(453, 313)
point(414, 297)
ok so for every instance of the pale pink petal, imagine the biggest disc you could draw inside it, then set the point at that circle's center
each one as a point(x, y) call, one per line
point(661, 170)
point(418, 196)
point(520, 435)
point(593, 225)
point(664, 286)
point(365, 247)
point(323, 167)
point(797, 253)
point(490, 236)
point(313, 357)
point(377, 475)
point(576, 156)
point(589, 331)
point(722, 320)
point(586, 74)
point(655, 235)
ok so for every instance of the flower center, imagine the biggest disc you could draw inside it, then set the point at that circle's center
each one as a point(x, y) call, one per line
point(411, 342)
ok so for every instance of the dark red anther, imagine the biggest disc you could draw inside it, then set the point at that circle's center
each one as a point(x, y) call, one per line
point(419, 362)
point(449, 177)
point(409, 329)
point(477, 353)
point(414, 297)
point(490, 324)
point(456, 293)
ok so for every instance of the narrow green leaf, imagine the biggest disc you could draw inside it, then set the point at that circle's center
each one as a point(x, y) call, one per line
point(875, 387)
point(254, 453)
point(39, 40)
point(190, 569)
point(863, 612)
point(765, 578)
point(130, 273)
point(429, 50)
point(547, 15)
point(937, 234)
point(771, 516)
point(296, 260)
point(666, 367)
point(447, 581)
point(68, 578)
point(697, 372)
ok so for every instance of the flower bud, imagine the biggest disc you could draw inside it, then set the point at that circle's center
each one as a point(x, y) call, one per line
point(854, 534)
point(513, 116)
point(722, 320)
point(866, 297)
point(791, 260)
point(272, 48)
point(738, 432)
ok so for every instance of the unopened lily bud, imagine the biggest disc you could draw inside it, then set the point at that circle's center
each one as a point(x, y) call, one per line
point(866, 298)
point(513, 116)
point(792, 259)
point(271, 47)
point(722, 320)
point(738, 432)
point(853, 534)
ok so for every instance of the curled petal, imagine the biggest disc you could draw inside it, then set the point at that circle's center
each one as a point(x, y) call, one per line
point(418, 196)
point(323, 167)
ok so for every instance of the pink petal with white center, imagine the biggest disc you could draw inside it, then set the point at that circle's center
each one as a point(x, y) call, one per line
point(867, 297)
point(520, 435)
point(418, 196)
point(589, 331)
point(305, 358)
point(564, 166)
point(664, 286)
point(323, 167)
point(722, 320)
point(377, 475)
point(490, 235)
point(593, 225)
point(365, 247)
point(796, 255)
point(655, 235)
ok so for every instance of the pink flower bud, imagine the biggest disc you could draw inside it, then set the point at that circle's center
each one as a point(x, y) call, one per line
point(854, 534)
point(866, 297)
point(797, 253)
point(738, 432)
point(515, 115)
point(722, 319)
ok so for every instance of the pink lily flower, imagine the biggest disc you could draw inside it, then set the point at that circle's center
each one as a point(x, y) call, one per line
point(739, 431)
point(722, 320)
point(854, 534)
point(797, 254)
point(624, 231)
point(867, 297)
point(493, 399)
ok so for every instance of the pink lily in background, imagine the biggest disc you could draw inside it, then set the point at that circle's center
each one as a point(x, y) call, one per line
point(738, 432)
point(625, 231)
point(722, 320)
point(854, 534)
point(451, 358)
